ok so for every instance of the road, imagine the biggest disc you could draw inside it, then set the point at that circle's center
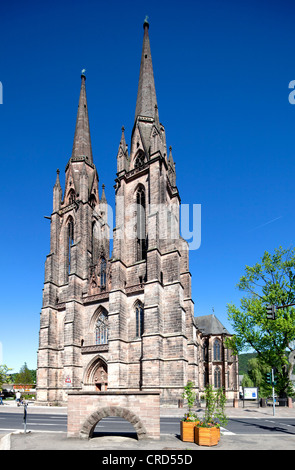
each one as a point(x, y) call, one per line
point(10, 421)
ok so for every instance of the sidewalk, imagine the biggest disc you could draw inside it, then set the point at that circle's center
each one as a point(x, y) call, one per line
point(168, 442)
point(231, 412)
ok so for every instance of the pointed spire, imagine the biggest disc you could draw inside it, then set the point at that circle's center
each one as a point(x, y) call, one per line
point(171, 169)
point(170, 159)
point(103, 198)
point(156, 116)
point(146, 95)
point(123, 141)
point(122, 155)
point(57, 181)
point(82, 140)
point(57, 193)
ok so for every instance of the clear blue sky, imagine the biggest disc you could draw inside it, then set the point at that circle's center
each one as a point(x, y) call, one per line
point(222, 70)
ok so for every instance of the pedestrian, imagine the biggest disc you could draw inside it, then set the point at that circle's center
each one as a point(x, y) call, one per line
point(1, 397)
point(17, 396)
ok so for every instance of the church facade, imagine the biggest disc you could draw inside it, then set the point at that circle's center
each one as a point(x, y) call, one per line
point(124, 321)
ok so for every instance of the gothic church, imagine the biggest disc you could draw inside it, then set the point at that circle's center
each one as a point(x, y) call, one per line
point(124, 321)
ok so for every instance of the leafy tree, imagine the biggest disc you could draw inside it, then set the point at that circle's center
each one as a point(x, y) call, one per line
point(24, 376)
point(4, 375)
point(244, 362)
point(215, 407)
point(270, 282)
point(189, 395)
point(246, 381)
point(257, 373)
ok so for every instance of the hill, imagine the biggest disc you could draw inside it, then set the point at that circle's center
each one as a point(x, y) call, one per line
point(243, 362)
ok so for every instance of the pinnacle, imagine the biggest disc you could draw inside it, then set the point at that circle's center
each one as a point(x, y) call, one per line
point(146, 95)
point(82, 140)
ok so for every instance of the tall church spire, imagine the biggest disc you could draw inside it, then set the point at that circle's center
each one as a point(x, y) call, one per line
point(146, 95)
point(82, 140)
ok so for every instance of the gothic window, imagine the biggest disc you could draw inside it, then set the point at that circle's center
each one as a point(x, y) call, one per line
point(141, 229)
point(103, 273)
point(139, 161)
point(93, 243)
point(92, 201)
point(72, 196)
point(139, 316)
point(70, 230)
point(216, 351)
point(217, 378)
point(101, 329)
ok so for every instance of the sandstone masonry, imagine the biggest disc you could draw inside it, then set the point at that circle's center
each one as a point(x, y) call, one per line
point(124, 321)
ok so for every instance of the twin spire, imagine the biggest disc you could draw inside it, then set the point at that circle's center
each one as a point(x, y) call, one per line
point(146, 94)
point(82, 141)
point(146, 107)
point(146, 102)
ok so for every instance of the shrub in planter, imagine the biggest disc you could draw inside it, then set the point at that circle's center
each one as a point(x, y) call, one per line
point(207, 431)
point(187, 424)
point(187, 427)
point(207, 435)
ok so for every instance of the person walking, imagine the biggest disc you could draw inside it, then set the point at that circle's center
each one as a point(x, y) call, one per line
point(17, 396)
point(1, 397)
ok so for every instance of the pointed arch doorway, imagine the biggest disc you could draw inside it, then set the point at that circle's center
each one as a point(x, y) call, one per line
point(96, 375)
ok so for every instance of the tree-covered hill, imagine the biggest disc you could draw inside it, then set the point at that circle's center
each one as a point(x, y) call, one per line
point(243, 362)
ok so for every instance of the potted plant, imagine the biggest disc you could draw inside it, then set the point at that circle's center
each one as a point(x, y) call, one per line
point(207, 430)
point(188, 422)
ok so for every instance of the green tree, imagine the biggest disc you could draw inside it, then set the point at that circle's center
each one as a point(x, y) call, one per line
point(189, 395)
point(257, 371)
point(270, 282)
point(215, 406)
point(246, 381)
point(4, 375)
point(24, 376)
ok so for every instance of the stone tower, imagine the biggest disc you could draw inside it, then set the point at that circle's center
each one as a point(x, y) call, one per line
point(123, 322)
point(150, 302)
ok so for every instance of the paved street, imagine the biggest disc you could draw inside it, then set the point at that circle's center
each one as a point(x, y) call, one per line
point(12, 422)
point(249, 428)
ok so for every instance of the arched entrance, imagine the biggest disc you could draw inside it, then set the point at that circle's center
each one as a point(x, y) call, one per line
point(96, 375)
point(116, 411)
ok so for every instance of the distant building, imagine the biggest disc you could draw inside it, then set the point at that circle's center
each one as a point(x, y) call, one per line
point(124, 321)
point(218, 365)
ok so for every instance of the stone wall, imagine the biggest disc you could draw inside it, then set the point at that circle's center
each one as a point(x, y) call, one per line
point(86, 409)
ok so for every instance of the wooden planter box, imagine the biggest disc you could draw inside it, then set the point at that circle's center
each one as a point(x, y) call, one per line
point(187, 431)
point(207, 436)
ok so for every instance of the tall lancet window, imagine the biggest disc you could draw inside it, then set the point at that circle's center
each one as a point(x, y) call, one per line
point(70, 241)
point(103, 273)
point(217, 378)
point(216, 350)
point(94, 243)
point(102, 329)
point(139, 317)
point(139, 161)
point(141, 230)
point(72, 196)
